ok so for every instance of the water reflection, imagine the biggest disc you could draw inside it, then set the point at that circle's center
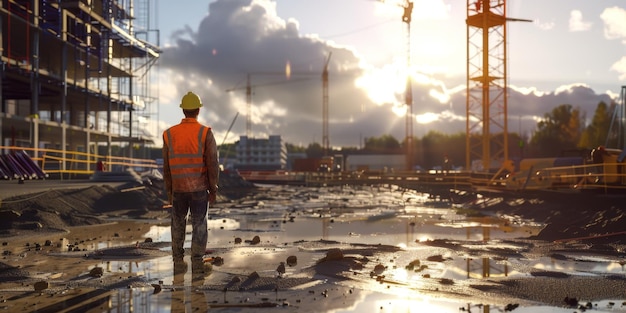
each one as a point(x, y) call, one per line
point(346, 217)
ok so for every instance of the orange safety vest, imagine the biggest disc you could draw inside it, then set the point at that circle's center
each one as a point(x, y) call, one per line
point(186, 144)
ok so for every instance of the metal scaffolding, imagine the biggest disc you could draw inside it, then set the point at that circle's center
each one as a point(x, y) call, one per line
point(75, 74)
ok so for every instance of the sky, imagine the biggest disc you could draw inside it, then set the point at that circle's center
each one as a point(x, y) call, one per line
point(573, 52)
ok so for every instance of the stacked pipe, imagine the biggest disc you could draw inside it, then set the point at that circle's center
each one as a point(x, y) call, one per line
point(19, 165)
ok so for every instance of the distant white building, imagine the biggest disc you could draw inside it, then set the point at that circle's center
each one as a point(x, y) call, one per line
point(255, 154)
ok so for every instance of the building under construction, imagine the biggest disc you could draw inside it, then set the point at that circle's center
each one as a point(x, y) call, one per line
point(75, 80)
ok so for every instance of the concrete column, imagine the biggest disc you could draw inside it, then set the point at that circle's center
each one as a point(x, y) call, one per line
point(3, 108)
point(35, 130)
point(109, 56)
point(34, 83)
point(88, 147)
point(63, 121)
point(63, 145)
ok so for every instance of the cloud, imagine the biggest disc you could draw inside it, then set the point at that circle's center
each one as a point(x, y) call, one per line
point(614, 23)
point(576, 22)
point(238, 38)
point(615, 28)
point(545, 25)
point(532, 106)
point(620, 67)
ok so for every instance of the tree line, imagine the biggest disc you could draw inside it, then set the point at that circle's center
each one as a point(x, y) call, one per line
point(562, 131)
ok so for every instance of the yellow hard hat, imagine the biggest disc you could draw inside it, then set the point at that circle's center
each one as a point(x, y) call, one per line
point(190, 101)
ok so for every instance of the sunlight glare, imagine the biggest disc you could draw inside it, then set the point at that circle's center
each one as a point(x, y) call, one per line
point(443, 98)
point(383, 85)
point(399, 109)
point(288, 69)
point(427, 118)
point(424, 238)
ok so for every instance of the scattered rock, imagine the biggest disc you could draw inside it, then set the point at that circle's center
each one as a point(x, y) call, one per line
point(157, 288)
point(292, 260)
point(570, 301)
point(357, 266)
point(237, 240)
point(446, 281)
point(413, 264)
point(148, 240)
point(217, 261)
point(255, 240)
point(254, 275)
point(96, 272)
point(379, 269)
point(435, 258)
point(334, 254)
point(41, 285)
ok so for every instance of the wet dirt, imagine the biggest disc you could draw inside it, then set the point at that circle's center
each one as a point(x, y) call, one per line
point(356, 249)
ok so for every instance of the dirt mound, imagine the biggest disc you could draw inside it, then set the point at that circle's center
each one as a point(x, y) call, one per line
point(58, 209)
point(593, 219)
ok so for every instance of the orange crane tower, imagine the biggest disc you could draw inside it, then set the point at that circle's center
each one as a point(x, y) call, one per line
point(487, 80)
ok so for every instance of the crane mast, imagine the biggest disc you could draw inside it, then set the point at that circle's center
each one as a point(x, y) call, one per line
point(408, 91)
point(487, 83)
point(325, 136)
point(408, 94)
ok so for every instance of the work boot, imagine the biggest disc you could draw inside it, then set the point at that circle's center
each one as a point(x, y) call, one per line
point(200, 269)
point(180, 266)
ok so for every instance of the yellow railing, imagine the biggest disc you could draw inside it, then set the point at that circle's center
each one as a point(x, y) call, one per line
point(72, 163)
point(607, 175)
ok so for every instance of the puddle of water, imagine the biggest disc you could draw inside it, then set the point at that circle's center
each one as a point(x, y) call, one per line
point(409, 303)
point(579, 266)
point(190, 299)
point(352, 216)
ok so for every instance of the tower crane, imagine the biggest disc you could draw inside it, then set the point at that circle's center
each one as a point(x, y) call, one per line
point(408, 93)
point(248, 87)
point(487, 82)
point(287, 73)
point(325, 137)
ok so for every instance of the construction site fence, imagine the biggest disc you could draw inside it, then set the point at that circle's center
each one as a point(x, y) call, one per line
point(73, 164)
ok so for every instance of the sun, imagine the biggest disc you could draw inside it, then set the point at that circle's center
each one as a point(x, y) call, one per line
point(384, 85)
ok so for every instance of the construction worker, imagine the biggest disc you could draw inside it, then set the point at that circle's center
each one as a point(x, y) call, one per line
point(190, 169)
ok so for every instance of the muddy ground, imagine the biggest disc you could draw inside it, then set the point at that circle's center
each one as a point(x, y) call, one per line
point(52, 248)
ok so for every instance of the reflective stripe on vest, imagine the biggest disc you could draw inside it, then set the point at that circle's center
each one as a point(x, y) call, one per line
point(187, 165)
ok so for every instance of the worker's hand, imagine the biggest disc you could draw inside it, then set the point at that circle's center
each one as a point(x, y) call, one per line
point(212, 197)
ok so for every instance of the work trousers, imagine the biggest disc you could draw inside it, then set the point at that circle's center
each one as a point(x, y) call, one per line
point(195, 203)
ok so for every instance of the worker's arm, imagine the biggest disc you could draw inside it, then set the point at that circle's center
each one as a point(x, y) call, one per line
point(167, 174)
point(212, 164)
